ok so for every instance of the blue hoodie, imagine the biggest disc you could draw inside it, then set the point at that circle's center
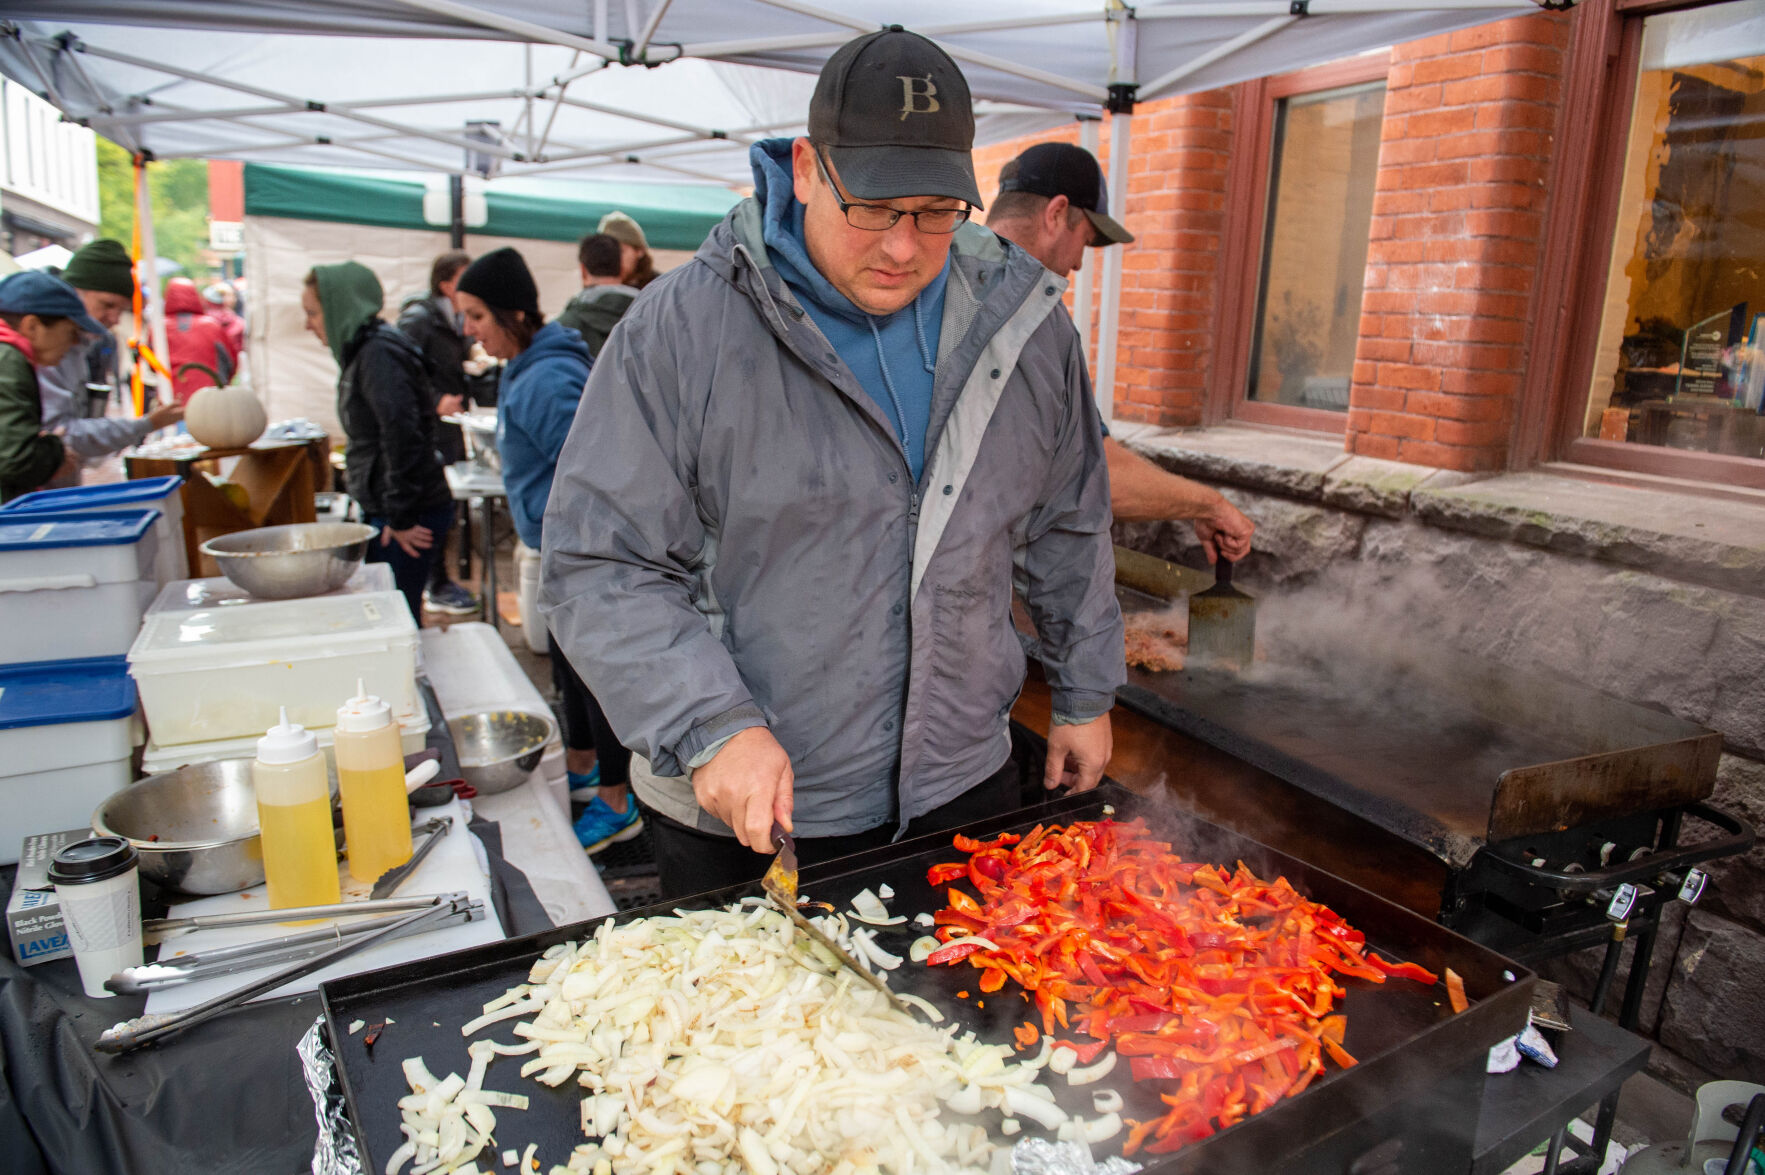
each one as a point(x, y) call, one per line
point(894, 356)
point(535, 407)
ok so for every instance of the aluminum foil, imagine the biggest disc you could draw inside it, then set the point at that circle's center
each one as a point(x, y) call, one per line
point(335, 1153)
point(1038, 1156)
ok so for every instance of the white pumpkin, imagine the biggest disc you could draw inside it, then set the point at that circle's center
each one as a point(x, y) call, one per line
point(225, 418)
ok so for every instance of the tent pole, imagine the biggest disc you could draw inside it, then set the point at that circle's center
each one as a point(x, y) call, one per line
point(155, 309)
point(1083, 294)
point(456, 215)
point(1120, 135)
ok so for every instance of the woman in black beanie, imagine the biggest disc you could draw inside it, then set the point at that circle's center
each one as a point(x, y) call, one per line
point(547, 367)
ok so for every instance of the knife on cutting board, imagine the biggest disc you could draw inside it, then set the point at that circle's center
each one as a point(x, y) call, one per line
point(780, 884)
point(1222, 623)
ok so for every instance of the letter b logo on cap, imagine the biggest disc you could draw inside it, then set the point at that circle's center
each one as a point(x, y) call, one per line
point(918, 96)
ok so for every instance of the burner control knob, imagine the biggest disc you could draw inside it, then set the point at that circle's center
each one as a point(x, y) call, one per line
point(1623, 901)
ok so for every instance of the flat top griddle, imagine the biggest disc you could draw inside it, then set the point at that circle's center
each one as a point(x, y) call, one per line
point(1449, 752)
point(1402, 1032)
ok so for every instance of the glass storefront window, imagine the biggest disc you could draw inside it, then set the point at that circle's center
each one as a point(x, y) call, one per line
point(1681, 352)
point(1322, 171)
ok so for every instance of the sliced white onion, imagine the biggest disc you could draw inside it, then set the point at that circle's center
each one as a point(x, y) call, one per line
point(1095, 1072)
point(885, 891)
point(1063, 1060)
point(1106, 1101)
point(922, 947)
point(924, 919)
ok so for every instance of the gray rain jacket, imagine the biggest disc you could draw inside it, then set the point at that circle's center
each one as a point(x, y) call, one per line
point(733, 537)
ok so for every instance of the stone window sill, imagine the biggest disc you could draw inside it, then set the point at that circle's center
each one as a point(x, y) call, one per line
point(1717, 541)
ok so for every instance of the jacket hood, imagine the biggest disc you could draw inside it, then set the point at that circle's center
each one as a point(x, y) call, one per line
point(181, 297)
point(349, 295)
point(550, 342)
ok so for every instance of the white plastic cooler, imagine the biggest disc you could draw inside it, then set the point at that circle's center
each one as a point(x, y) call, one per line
point(164, 494)
point(66, 733)
point(223, 672)
point(73, 586)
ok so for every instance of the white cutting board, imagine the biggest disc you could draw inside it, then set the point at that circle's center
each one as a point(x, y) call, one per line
point(454, 865)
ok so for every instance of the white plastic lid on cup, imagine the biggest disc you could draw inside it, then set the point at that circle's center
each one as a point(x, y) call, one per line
point(287, 742)
point(362, 713)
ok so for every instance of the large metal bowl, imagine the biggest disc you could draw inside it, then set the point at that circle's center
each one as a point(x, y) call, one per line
point(195, 828)
point(499, 749)
point(283, 562)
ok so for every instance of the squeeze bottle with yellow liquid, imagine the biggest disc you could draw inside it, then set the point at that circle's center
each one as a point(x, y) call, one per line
point(294, 816)
point(370, 778)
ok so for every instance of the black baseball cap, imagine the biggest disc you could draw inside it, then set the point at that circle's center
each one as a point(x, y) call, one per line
point(1061, 169)
point(894, 114)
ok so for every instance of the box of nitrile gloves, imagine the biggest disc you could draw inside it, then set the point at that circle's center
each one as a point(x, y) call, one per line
point(33, 914)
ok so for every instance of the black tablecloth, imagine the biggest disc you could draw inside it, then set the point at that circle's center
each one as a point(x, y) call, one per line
point(225, 1096)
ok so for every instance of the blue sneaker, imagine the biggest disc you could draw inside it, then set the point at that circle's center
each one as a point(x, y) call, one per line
point(600, 826)
point(584, 788)
point(451, 599)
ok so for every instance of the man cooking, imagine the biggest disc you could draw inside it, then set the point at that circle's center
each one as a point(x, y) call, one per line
point(1053, 202)
point(780, 541)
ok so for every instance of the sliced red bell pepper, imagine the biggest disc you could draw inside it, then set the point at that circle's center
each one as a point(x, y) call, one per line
point(954, 952)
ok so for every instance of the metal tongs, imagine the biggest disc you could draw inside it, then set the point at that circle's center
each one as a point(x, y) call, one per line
point(132, 1034)
point(174, 971)
point(780, 884)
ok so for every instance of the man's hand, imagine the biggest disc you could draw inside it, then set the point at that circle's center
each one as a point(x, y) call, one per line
point(165, 415)
point(1077, 755)
point(1224, 531)
point(412, 541)
point(747, 785)
point(449, 404)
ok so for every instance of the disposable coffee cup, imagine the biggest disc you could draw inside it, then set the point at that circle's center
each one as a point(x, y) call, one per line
point(98, 885)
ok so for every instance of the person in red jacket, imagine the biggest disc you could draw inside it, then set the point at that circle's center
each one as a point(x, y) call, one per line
point(192, 337)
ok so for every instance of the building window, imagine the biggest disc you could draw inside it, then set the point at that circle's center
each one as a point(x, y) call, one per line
point(1680, 358)
point(1323, 163)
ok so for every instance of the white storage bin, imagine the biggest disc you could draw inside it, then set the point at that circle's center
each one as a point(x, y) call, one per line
point(223, 673)
point(413, 736)
point(192, 595)
point(165, 494)
point(73, 586)
point(66, 732)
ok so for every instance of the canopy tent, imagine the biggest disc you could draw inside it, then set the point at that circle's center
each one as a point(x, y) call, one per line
point(645, 88)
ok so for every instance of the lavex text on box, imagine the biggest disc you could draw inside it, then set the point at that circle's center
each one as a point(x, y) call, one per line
point(33, 915)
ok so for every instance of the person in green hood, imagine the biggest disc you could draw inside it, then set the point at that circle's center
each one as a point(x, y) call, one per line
point(391, 462)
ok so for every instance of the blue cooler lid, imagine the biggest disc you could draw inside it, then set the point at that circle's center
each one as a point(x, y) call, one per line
point(36, 532)
point(44, 693)
point(119, 495)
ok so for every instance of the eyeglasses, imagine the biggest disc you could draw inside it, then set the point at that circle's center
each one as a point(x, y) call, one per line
point(877, 218)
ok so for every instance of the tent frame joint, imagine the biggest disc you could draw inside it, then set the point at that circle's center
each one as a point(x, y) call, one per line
point(1299, 8)
point(1123, 95)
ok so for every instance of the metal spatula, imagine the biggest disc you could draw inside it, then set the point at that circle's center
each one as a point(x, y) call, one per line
point(1222, 623)
point(780, 884)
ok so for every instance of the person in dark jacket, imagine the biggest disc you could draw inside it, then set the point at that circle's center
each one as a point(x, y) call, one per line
point(41, 318)
point(383, 402)
point(604, 298)
point(432, 321)
point(541, 386)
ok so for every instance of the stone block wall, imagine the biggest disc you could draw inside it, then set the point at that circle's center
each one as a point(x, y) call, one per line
point(1385, 548)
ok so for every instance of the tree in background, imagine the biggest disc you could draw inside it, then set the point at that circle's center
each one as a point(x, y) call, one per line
point(179, 189)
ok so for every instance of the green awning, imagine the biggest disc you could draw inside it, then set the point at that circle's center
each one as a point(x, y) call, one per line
point(673, 216)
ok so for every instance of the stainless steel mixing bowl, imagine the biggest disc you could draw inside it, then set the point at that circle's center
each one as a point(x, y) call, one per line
point(195, 828)
point(283, 562)
point(498, 749)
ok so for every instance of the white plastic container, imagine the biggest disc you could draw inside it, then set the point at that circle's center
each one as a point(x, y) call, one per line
point(533, 629)
point(193, 595)
point(73, 586)
point(413, 736)
point(224, 673)
point(66, 732)
point(164, 494)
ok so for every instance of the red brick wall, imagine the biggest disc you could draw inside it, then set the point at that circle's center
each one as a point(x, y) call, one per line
point(1179, 155)
point(1457, 224)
